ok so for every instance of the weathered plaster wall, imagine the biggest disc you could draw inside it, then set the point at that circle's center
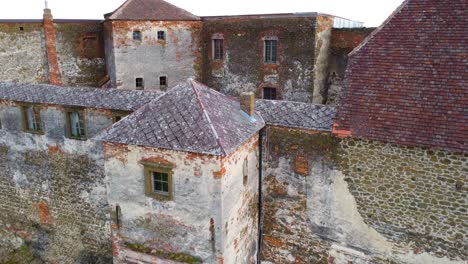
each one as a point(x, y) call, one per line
point(52, 191)
point(332, 201)
point(240, 204)
point(22, 53)
point(188, 225)
point(343, 41)
point(322, 57)
point(80, 50)
point(177, 57)
point(243, 68)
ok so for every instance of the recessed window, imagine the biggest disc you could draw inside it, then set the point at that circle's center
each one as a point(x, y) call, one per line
point(161, 35)
point(137, 35)
point(21, 28)
point(269, 93)
point(31, 118)
point(118, 115)
point(271, 51)
point(139, 83)
point(218, 49)
point(163, 82)
point(245, 171)
point(76, 128)
point(158, 181)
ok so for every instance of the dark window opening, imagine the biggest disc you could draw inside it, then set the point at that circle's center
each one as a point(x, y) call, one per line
point(136, 35)
point(161, 35)
point(269, 93)
point(21, 28)
point(139, 83)
point(271, 51)
point(218, 49)
point(163, 81)
point(161, 182)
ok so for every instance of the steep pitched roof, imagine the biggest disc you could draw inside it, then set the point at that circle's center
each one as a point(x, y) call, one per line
point(127, 100)
point(407, 83)
point(296, 114)
point(190, 117)
point(151, 10)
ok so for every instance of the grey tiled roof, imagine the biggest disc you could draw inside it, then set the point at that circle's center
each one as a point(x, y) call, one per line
point(190, 117)
point(296, 114)
point(113, 99)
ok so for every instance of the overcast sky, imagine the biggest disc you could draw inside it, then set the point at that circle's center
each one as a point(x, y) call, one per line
point(372, 12)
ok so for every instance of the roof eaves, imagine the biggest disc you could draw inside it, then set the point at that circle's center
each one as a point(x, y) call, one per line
point(218, 141)
point(377, 30)
point(111, 17)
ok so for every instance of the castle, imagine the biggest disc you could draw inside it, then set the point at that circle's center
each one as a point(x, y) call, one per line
point(275, 138)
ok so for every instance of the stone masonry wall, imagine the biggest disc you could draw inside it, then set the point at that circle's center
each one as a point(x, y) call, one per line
point(334, 201)
point(177, 57)
point(243, 68)
point(22, 53)
point(52, 191)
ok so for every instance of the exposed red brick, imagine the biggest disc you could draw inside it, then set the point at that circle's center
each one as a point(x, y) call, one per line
point(301, 166)
point(43, 213)
point(50, 38)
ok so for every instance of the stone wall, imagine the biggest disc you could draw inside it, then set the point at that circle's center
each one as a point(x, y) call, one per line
point(52, 191)
point(22, 53)
point(334, 201)
point(243, 68)
point(177, 57)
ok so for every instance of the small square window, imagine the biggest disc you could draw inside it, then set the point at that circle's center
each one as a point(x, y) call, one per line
point(271, 51)
point(31, 118)
point(163, 82)
point(158, 181)
point(139, 83)
point(76, 128)
point(137, 35)
point(218, 49)
point(269, 93)
point(161, 35)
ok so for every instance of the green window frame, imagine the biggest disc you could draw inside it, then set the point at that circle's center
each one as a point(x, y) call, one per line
point(158, 181)
point(31, 116)
point(271, 51)
point(76, 124)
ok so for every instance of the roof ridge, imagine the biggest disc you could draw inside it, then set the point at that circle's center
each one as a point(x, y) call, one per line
point(197, 95)
point(379, 28)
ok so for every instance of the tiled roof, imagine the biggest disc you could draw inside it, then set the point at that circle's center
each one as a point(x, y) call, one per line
point(407, 83)
point(190, 117)
point(296, 114)
point(151, 10)
point(127, 100)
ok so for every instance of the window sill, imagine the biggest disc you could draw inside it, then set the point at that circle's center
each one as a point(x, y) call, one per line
point(160, 196)
point(78, 138)
point(35, 132)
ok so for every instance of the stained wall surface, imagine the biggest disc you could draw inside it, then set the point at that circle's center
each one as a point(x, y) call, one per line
point(53, 193)
point(333, 201)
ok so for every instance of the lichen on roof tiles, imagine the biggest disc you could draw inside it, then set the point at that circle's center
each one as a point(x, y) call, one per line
point(151, 10)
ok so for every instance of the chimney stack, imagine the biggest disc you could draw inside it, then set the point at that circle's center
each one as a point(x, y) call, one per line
point(247, 103)
point(51, 51)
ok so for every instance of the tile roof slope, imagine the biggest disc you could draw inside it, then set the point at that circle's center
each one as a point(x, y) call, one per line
point(126, 100)
point(407, 84)
point(151, 10)
point(190, 117)
point(296, 114)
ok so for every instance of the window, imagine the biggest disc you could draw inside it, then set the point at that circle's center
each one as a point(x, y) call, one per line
point(137, 35)
point(218, 49)
point(158, 181)
point(31, 118)
point(139, 83)
point(163, 82)
point(118, 115)
point(75, 124)
point(245, 171)
point(269, 93)
point(271, 51)
point(161, 35)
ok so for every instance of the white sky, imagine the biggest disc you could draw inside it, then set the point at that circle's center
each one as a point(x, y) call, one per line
point(372, 12)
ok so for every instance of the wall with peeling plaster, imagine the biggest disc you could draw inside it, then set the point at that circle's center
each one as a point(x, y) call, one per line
point(53, 194)
point(335, 201)
point(176, 57)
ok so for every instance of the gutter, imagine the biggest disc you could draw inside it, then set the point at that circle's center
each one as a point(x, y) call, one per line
point(260, 195)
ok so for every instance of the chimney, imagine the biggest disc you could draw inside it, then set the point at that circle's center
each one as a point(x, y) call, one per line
point(51, 51)
point(247, 103)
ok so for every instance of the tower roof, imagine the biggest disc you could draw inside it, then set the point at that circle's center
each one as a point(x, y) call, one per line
point(151, 10)
point(406, 84)
point(190, 117)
